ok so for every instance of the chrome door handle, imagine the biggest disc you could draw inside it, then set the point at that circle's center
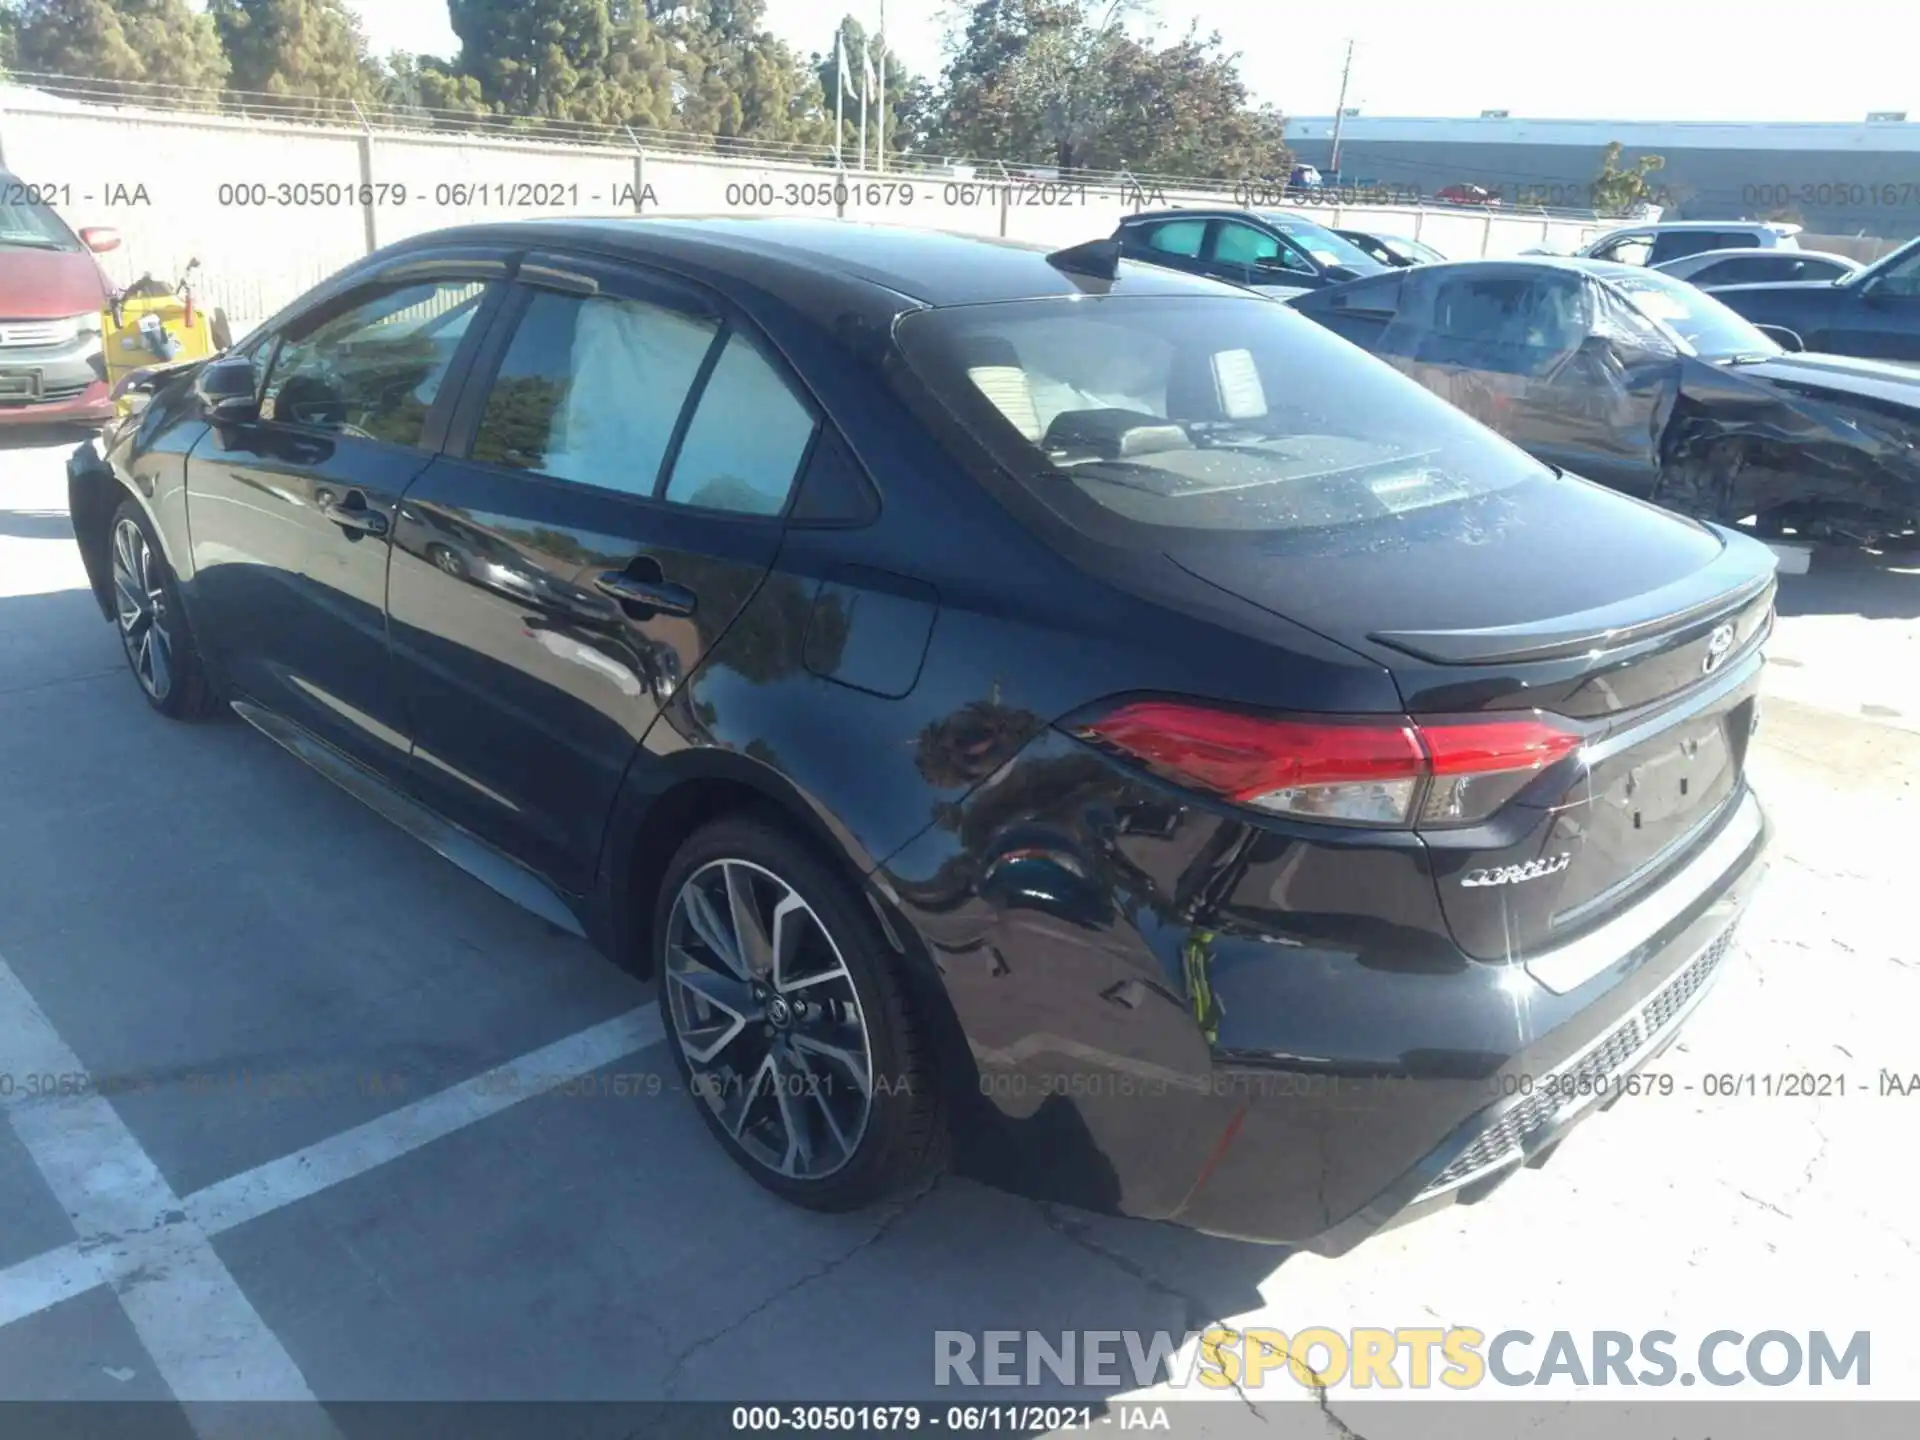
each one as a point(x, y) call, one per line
point(661, 596)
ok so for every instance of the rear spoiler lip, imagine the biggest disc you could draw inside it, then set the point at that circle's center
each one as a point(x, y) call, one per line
point(1593, 631)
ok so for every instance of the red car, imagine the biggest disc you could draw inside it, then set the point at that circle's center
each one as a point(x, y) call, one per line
point(1467, 195)
point(52, 366)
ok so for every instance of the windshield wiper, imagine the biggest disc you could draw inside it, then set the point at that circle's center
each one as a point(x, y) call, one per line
point(31, 242)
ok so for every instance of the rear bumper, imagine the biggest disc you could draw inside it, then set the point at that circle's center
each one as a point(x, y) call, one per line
point(1622, 1019)
point(1319, 1064)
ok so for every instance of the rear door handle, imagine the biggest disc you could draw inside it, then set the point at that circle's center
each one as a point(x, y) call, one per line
point(662, 596)
point(361, 519)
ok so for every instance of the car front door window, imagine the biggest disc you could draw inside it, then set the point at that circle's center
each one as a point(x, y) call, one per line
point(1259, 252)
point(374, 369)
point(1902, 280)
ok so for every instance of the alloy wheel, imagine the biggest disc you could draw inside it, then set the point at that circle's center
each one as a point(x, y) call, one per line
point(140, 602)
point(766, 1015)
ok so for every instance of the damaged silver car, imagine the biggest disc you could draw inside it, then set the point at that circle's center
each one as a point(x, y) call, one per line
point(1646, 384)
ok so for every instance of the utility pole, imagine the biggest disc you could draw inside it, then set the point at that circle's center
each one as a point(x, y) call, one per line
point(1340, 114)
point(882, 88)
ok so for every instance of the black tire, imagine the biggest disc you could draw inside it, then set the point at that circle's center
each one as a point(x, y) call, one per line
point(167, 666)
point(903, 1141)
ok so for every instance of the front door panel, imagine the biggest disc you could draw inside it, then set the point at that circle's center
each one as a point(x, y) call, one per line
point(294, 595)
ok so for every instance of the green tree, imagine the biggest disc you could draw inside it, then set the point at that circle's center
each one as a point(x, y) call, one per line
point(426, 86)
point(1066, 81)
point(545, 59)
point(1184, 110)
point(133, 42)
point(1021, 77)
point(1621, 191)
point(906, 96)
point(303, 48)
point(640, 70)
point(733, 80)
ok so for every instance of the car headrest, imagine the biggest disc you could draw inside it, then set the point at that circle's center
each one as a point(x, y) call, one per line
point(993, 365)
point(1114, 434)
point(1220, 385)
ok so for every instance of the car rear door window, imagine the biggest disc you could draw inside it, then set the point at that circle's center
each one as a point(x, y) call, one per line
point(591, 389)
point(374, 369)
point(1817, 270)
point(747, 438)
point(1674, 244)
point(1177, 237)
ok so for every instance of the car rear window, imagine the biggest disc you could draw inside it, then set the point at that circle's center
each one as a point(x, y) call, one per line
point(1130, 415)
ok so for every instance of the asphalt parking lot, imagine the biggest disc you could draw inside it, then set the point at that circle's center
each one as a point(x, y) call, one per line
point(323, 1170)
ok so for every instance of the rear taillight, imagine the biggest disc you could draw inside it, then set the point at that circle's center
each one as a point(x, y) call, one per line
point(1389, 770)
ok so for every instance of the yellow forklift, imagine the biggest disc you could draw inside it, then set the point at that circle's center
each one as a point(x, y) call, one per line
point(149, 324)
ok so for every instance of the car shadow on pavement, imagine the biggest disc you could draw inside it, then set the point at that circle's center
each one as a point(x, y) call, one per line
point(40, 437)
point(35, 525)
point(565, 1247)
point(1875, 585)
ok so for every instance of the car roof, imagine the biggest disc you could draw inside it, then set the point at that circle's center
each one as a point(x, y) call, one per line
point(1606, 269)
point(1742, 252)
point(1775, 227)
point(1278, 218)
point(869, 265)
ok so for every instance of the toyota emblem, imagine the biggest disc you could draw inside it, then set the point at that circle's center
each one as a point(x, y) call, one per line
point(1719, 645)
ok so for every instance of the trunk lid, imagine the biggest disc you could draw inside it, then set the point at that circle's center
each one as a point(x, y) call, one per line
point(1639, 629)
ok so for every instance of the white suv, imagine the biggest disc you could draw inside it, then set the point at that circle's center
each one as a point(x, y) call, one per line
point(1657, 244)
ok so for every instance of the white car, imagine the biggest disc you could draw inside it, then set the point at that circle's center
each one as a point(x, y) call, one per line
point(1711, 269)
point(1656, 244)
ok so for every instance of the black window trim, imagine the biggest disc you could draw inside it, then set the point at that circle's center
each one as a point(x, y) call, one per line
point(471, 259)
point(572, 273)
point(413, 271)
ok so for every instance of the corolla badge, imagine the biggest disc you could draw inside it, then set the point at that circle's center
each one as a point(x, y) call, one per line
point(1719, 644)
point(1518, 874)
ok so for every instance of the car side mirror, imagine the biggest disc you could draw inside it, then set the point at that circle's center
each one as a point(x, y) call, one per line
point(1338, 273)
point(1786, 339)
point(225, 390)
point(100, 239)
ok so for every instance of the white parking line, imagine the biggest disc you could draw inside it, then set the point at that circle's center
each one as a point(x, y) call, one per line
point(206, 1339)
point(112, 1252)
point(241, 1198)
point(47, 1279)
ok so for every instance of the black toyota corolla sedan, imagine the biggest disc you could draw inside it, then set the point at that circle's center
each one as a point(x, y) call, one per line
point(1073, 718)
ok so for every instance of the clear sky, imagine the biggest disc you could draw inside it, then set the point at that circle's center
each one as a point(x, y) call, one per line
point(1619, 60)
